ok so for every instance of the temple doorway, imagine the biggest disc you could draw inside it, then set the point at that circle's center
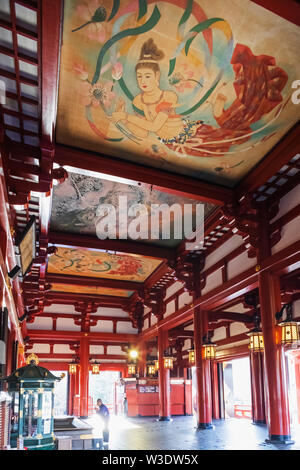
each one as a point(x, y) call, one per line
point(103, 386)
point(237, 388)
point(60, 393)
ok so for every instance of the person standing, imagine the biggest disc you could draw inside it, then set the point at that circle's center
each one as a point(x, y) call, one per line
point(104, 414)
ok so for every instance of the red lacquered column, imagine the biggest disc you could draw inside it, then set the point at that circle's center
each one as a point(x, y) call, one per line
point(84, 377)
point(278, 416)
point(204, 402)
point(257, 388)
point(163, 379)
point(72, 378)
point(215, 391)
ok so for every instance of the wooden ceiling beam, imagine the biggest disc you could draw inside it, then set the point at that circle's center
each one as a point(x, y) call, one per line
point(287, 9)
point(160, 180)
point(92, 281)
point(279, 156)
point(122, 246)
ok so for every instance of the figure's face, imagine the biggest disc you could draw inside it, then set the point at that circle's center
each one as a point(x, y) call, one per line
point(147, 79)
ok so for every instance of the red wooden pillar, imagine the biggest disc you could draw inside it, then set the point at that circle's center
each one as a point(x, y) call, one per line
point(143, 358)
point(75, 406)
point(84, 376)
point(72, 380)
point(296, 355)
point(215, 391)
point(203, 376)
point(257, 388)
point(163, 379)
point(278, 416)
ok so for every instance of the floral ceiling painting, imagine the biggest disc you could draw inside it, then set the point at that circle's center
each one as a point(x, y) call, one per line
point(76, 201)
point(81, 262)
point(199, 88)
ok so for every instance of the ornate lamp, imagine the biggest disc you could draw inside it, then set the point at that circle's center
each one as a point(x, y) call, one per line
point(151, 369)
point(131, 369)
point(191, 356)
point(95, 368)
point(32, 390)
point(73, 367)
point(256, 337)
point(209, 350)
point(156, 364)
point(289, 328)
point(168, 359)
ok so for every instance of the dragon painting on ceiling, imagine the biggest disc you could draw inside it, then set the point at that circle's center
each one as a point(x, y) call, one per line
point(194, 87)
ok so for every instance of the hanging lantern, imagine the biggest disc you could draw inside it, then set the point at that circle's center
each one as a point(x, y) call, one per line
point(191, 356)
point(131, 369)
point(72, 368)
point(289, 328)
point(151, 369)
point(95, 368)
point(209, 351)
point(289, 332)
point(156, 364)
point(256, 341)
point(168, 362)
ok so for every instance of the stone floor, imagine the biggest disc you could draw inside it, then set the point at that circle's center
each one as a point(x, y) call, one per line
point(180, 434)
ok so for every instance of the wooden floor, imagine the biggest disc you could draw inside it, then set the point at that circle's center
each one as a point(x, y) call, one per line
point(180, 434)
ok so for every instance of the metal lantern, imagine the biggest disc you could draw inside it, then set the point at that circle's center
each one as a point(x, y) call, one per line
point(95, 368)
point(289, 332)
point(151, 369)
point(168, 362)
point(72, 368)
point(32, 390)
point(131, 369)
point(209, 351)
point(289, 328)
point(256, 341)
point(156, 364)
point(191, 356)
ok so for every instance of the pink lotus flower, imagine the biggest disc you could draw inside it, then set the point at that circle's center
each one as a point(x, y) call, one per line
point(96, 95)
point(117, 71)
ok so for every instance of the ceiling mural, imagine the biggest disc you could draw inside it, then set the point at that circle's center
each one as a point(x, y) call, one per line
point(75, 206)
point(93, 290)
point(197, 88)
point(81, 262)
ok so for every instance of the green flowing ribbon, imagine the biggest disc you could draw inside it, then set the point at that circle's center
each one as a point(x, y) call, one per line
point(153, 20)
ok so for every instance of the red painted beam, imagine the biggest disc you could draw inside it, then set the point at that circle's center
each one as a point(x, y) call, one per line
point(35, 335)
point(158, 179)
point(121, 246)
point(287, 9)
point(93, 281)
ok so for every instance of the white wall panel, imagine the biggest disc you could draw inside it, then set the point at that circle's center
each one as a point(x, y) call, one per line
point(288, 202)
point(213, 280)
point(40, 323)
point(126, 327)
point(223, 250)
point(240, 264)
point(66, 324)
point(289, 235)
point(104, 326)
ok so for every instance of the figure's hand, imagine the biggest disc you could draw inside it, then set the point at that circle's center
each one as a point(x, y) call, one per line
point(118, 116)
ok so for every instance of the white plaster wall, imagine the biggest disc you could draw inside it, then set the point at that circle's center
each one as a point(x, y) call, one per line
point(40, 323)
point(104, 326)
point(39, 348)
point(111, 312)
point(170, 308)
point(213, 280)
point(153, 320)
point(219, 333)
point(173, 288)
point(223, 250)
point(62, 349)
point(289, 235)
point(96, 349)
point(115, 350)
point(237, 329)
point(288, 202)
point(66, 324)
point(126, 327)
point(240, 264)
point(60, 308)
point(184, 298)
